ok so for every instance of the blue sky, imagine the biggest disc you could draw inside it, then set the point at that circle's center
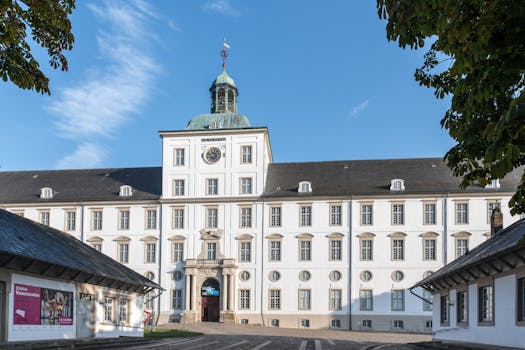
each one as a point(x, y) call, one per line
point(320, 75)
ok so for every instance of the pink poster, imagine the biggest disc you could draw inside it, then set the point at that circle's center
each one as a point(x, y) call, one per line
point(27, 305)
point(42, 306)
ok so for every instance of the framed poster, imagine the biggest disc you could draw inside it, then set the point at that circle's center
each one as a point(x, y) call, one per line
point(42, 306)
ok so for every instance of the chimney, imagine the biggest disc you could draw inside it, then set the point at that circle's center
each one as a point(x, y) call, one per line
point(496, 222)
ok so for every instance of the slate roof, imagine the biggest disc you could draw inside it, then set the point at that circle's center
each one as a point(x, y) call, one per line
point(371, 177)
point(80, 185)
point(37, 248)
point(227, 121)
point(504, 242)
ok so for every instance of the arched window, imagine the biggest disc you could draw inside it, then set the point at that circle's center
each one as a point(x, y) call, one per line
point(46, 193)
point(125, 191)
point(305, 187)
point(397, 185)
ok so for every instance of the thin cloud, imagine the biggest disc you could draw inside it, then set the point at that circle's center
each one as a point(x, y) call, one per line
point(119, 86)
point(224, 7)
point(356, 110)
point(86, 155)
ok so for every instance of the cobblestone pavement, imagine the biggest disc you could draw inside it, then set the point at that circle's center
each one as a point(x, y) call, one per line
point(263, 342)
point(362, 337)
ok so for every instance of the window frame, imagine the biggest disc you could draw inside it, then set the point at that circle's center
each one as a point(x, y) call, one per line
point(121, 243)
point(274, 301)
point(444, 309)
point(150, 223)
point(123, 222)
point(44, 213)
point(111, 309)
point(176, 253)
point(338, 216)
point(208, 211)
point(177, 299)
point(400, 221)
point(366, 304)
point(277, 249)
point(179, 160)
point(306, 249)
point(97, 223)
point(179, 187)
point(307, 222)
point(123, 307)
point(338, 250)
point(432, 250)
point(242, 251)
point(434, 214)
point(393, 299)
point(178, 222)
point(245, 216)
point(366, 236)
point(335, 304)
point(397, 237)
point(67, 226)
point(362, 214)
point(248, 155)
point(147, 253)
point(246, 185)
point(304, 303)
point(520, 302)
point(462, 322)
point(245, 300)
point(212, 186)
point(482, 284)
point(458, 215)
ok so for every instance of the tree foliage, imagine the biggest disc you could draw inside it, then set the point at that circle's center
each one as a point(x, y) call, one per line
point(475, 54)
point(49, 27)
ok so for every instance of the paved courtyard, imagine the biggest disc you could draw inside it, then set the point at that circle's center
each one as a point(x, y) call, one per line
point(220, 336)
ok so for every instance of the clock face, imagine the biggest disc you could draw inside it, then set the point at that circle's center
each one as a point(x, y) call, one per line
point(212, 155)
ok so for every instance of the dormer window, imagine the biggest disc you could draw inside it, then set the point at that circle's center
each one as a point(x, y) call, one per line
point(305, 187)
point(215, 124)
point(125, 191)
point(397, 185)
point(46, 193)
point(494, 184)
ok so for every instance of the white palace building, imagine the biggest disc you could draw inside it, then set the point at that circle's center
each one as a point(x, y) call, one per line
point(232, 236)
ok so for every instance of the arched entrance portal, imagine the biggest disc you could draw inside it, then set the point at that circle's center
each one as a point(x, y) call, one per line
point(210, 294)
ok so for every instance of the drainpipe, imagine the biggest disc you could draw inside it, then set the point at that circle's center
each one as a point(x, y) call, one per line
point(81, 223)
point(160, 263)
point(262, 263)
point(445, 229)
point(350, 267)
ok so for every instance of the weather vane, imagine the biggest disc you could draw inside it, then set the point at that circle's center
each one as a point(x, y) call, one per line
point(224, 53)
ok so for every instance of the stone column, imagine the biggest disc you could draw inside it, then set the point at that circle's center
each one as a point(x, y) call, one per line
point(230, 292)
point(194, 293)
point(187, 297)
point(224, 292)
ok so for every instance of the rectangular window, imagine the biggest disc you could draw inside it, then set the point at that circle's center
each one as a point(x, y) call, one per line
point(398, 324)
point(71, 220)
point(335, 249)
point(246, 154)
point(123, 311)
point(461, 213)
point(398, 249)
point(123, 253)
point(177, 252)
point(123, 219)
point(461, 247)
point(275, 220)
point(366, 324)
point(490, 208)
point(462, 307)
point(275, 299)
point(151, 252)
point(335, 324)
point(275, 250)
point(244, 295)
point(486, 310)
point(176, 299)
point(398, 214)
point(366, 214)
point(305, 250)
point(427, 302)
point(430, 213)
point(521, 300)
point(246, 217)
point(245, 254)
point(443, 309)
point(179, 157)
point(306, 215)
point(97, 246)
point(366, 250)
point(398, 300)
point(246, 185)
point(305, 323)
point(96, 220)
point(108, 309)
point(178, 218)
point(212, 251)
point(44, 218)
point(178, 187)
point(335, 299)
point(211, 217)
point(304, 299)
point(212, 187)
point(151, 219)
point(335, 215)
point(366, 300)
point(274, 322)
point(429, 249)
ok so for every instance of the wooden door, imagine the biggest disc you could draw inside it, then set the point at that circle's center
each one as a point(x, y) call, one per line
point(210, 311)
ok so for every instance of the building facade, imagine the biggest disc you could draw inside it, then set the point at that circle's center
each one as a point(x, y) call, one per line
point(233, 236)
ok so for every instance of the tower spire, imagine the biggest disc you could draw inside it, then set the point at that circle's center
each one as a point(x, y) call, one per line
point(224, 53)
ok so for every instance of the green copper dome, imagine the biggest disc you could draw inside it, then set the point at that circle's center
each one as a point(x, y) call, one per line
point(218, 121)
point(224, 78)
